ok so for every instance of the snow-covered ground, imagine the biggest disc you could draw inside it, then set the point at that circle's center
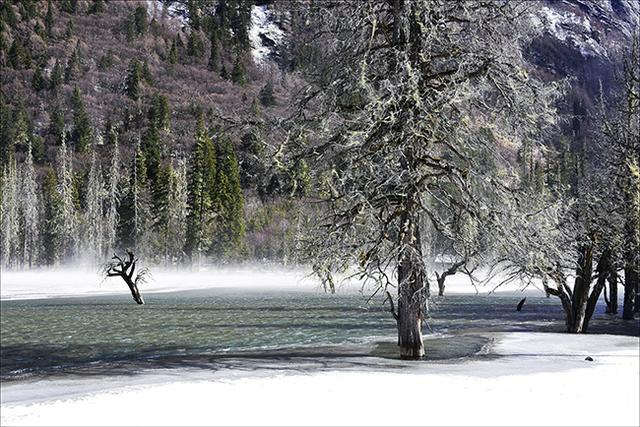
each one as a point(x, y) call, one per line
point(535, 379)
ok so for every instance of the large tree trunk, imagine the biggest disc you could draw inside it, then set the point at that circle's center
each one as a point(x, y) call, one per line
point(630, 286)
point(411, 291)
point(579, 305)
point(603, 269)
point(581, 288)
point(612, 302)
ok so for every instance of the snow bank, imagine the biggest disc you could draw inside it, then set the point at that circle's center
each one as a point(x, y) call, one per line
point(541, 379)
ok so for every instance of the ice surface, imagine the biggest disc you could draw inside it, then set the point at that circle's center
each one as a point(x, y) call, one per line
point(539, 379)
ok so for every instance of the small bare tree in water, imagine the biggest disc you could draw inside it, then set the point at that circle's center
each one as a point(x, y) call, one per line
point(124, 268)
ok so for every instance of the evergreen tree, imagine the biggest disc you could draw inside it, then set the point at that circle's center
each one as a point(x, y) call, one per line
point(69, 30)
point(132, 88)
point(16, 54)
point(229, 201)
point(38, 81)
point(56, 124)
point(57, 77)
point(48, 20)
point(52, 227)
point(21, 127)
point(173, 53)
point(82, 131)
point(266, 94)
point(7, 143)
point(213, 55)
point(238, 73)
point(152, 149)
point(73, 65)
point(140, 20)
point(29, 210)
point(145, 73)
point(160, 113)
point(223, 72)
point(195, 46)
point(96, 7)
point(200, 189)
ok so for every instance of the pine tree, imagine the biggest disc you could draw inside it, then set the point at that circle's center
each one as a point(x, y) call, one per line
point(57, 77)
point(195, 46)
point(48, 20)
point(152, 149)
point(110, 132)
point(173, 53)
point(82, 131)
point(213, 54)
point(52, 227)
point(161, 190)
point(145, 73)
point(96, 7)
point(29, 210)
point(160, 113)
point(7, 143)
point(140, 20)
point(229, 201)
point(69, 30)
point(200, 189)
point(133, 89)
point(94, 237)
point(16, 54)
point(238, 73)
point(266, 94)
point(223, 72)
point(38, 81)
point(73, 65)
point(56, 124)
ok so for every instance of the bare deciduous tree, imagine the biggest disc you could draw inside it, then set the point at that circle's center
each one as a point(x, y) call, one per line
point(409, 105)
point(124, 268)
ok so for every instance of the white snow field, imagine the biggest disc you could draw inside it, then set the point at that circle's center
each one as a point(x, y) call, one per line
point(522, 378)
point(535, 379)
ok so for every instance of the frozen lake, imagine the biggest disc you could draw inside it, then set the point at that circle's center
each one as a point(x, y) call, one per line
point(244, 328)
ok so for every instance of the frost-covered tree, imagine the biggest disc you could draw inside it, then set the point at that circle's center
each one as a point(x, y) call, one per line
point(66, 188)
point(410, 102)
point(177, 213)
point(52, 226)
point(94, 241)
point(112, 199)
point(9, 218)
point(29, 211)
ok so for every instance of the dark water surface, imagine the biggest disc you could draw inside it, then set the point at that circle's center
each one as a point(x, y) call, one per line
point(228, 328)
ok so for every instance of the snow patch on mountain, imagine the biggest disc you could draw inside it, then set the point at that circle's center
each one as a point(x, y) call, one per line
point(264, 34)
point(570, 28)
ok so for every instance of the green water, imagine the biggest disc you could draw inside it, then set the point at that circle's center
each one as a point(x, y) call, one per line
point(241, 328)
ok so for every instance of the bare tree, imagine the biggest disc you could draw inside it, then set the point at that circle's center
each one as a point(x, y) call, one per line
point(409, 104)
point(124, 268)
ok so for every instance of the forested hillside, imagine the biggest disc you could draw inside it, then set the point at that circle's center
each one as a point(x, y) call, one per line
point(177, 128)
point(139, 125)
